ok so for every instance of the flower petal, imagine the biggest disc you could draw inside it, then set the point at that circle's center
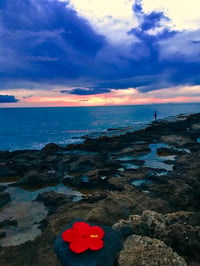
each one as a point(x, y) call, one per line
point(69, 235)
point(82, 228)
point(96, 231)
point(96, 244)
point(80, 245)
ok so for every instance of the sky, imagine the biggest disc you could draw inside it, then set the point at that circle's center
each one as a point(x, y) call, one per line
point(91, 52)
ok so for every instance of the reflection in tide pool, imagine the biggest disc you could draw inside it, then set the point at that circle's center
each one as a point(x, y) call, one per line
point(28, 213)
point(125, 158)
point(130, 166)
point(18, 194)
point(126, 162)
point(152, 159)
point(162, 173)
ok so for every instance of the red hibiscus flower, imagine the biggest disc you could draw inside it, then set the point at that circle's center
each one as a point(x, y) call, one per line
point(82, 237)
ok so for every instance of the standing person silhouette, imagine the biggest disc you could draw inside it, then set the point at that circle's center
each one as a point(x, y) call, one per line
point(155, 115)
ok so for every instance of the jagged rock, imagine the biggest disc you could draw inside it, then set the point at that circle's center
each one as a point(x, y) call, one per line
point(149, 223)
point(196, 126)
point(8, 223)
point(140, 250)
point(174, 191)
point(176, 140)
point(185, 239)
point(180, 230)
point(7, 170)
point(5, 155)
point(51, 148)
point(25, 156)
point(136, 149)
point(162, 151)
point(87, 162)
point(36, 177)
point(96, 196)
point(4, 198)
point(2, 188)
point(2, 235)
point(183, 217)
point(53, 199)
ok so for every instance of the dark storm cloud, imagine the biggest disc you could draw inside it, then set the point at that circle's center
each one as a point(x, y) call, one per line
point(174, 68)
point(89, 91)
point(47, 43)
point(44, 40)
point(137, 7)
point(8, 99)
point(152, 20)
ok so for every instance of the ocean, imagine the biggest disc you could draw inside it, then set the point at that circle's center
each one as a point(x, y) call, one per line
point(33, 128)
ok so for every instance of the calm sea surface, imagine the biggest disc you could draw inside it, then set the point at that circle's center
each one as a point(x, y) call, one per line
point(32, 128)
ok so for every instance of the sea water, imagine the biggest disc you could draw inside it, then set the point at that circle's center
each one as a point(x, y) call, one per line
point(32, 128)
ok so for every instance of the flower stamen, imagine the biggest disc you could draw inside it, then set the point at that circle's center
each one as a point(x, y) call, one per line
point(94, 236)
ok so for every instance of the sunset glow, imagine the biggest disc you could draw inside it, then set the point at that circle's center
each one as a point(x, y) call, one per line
point(115, 97)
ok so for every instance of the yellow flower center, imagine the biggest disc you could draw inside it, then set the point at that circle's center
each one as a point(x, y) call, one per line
point(94, 236)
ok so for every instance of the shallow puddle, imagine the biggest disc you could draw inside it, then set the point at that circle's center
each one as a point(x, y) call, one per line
point(153, 160)
point(157, 172)
point(125, 158)
point(28, 213)
point(183, 149)
point(21, 195)
point(77, 152)
point(127, 162)
point(141, 182)
point(130, 166)
point(162, 173)
point(85, 179)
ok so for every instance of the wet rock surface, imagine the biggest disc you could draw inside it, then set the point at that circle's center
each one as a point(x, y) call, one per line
point(144, 183)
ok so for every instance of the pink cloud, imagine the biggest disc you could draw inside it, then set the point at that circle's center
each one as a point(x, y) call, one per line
point(130, 96)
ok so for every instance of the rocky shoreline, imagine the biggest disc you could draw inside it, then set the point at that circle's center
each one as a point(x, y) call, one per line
point(145, 184)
